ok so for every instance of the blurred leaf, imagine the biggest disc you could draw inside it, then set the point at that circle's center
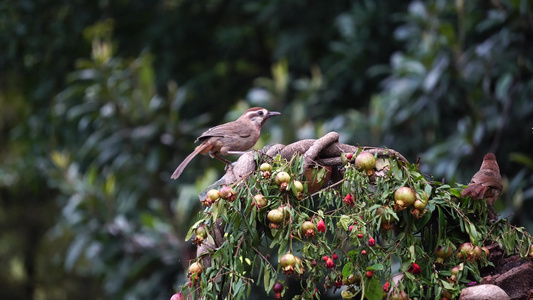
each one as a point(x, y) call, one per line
point(522, 159)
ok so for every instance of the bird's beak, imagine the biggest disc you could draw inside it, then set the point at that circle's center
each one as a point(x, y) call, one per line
point(273, 113)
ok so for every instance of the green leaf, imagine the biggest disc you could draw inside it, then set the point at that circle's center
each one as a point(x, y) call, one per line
point(215, 210)
point(420, 223)
point(270, 285)
point(344, 222)
point(373, 289)
point(409, 275)
point(428, 189)
point(412, 252)
point(192, 229)
point(474, 237)
point(446, 285)
point(347, 270)
point(376, 267)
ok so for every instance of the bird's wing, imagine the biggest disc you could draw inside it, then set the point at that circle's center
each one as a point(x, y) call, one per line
point(244, 131)
point(476, 191)
point(225, 130)
point(490, 179)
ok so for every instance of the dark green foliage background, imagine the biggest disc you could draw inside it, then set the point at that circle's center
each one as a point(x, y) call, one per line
point(90, 134)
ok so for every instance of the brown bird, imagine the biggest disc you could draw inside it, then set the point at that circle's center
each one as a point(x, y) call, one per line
point(230, 138)
point(487, 182)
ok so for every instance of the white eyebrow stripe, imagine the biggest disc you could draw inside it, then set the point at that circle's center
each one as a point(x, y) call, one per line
point(254, 112)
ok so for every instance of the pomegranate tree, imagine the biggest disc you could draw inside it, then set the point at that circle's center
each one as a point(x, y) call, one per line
point(341, 229)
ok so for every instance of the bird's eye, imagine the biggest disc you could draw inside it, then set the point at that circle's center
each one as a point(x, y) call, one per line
point(260, 113)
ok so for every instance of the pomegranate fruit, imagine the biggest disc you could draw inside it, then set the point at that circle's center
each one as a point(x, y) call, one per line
point(299, 186)
point(477, 252)
point(260, 201)
point(486, 251)
point(365, 161)
point(420, 205)
point(275, 217)
point(291, 264)
point(446, 295)
point(400, 295)
point(403, 198)
point(466, 251)
point(346, 295)
point(265, 167)
point(195, 268)
point(386, 220)
point(177, 296)
point(282, 177)
point(201, 234)
point(227, 193)
point(442, 253)
point(308, 229)
point(213, 195)
point(352, 279)
point(454, 271)
point(278, 289)
point(288, 263)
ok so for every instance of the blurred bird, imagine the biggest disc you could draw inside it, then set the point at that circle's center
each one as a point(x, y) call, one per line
point(230, 138)
point(487, 182)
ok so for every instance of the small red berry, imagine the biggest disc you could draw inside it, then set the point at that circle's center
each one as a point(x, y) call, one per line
point(329, 263)
point(371, 242)
point(335, 256)
point(363, 252)
point(360, 236)
point(350, 228)
point(313, 263)
point(325, 258)
point(349, 156)
point(369, 274)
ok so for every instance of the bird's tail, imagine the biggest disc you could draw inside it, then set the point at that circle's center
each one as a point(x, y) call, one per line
point(200, 149)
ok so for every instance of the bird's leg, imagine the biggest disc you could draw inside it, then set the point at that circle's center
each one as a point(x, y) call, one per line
point(227, 162)
point(236, 152)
